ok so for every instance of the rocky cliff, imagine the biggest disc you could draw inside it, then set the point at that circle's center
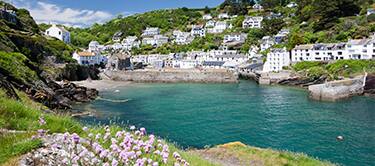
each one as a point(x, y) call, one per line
point(30, 62)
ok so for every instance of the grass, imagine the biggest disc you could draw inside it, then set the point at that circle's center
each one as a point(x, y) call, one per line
point(24, 114)
point(240, 154)
point(335, 70)
point(15, 64)
point(13, 144)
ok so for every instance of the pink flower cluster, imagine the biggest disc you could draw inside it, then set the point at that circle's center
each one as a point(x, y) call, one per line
point(114, 148)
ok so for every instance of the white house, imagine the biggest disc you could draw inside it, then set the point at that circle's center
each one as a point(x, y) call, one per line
point(117, 36)
point(302, 53)
point(184, 38)
point(219, 27)
point(210, 24)
point(292, 5)
point(188, 64)
point(58, 32)
point(370, 11)
point(161, 39)
point(198, 30)
point(117, 46)
point(252, 22)
point(130, 42)
point(235, 38)
point(266, 42)
point(223, 16)
point(94, 46)
point(276, 60)
point(207, 17)
point(361, 49)
point(149, 41)
point(257, 7)
point(319, 52)
point(88, 58)
point(151, 31)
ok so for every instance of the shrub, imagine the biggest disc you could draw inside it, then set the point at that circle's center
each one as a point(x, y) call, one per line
point(306, 65)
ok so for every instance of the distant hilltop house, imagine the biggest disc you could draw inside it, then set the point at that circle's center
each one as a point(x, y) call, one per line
point(223, 16)
point(219, 27)
point(266, 43)
point(257, 7)
point(155, 41)
point(276, 59)
point(88, 58)
point(182, 38)
point(210, 24)
point(94, 46)
point(281, 36)
point(117, 36)
point(59, 33)
point(292, 5)
point(198, 30)
point(252, 22)
point(151, 31)
point(207, 17)
point(235, 38)
point(370, 11)
point(130, 42)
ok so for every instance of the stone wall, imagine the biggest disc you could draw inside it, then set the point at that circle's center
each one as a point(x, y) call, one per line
point(336, 90)
point(174, 76)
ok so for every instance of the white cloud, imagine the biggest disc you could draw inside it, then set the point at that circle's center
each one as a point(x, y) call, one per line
point(44, 12)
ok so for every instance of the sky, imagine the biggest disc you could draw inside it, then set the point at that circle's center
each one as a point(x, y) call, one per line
point(83, 13)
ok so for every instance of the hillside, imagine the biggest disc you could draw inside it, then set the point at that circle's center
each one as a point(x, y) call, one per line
point(30, 62)
point(308, 23)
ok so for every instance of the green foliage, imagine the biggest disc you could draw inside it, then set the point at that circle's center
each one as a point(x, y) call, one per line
point(16, 144)
point(16, 65)
point(166, 20)
point(316, 72)
point(340, 68)
point(371, 18)
point(349, 67)
point(272, 26)
point(18, 116)
point(305, 65)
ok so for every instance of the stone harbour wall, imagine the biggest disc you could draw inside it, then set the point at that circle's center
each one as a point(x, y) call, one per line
point(336, 90)
point(174, 76)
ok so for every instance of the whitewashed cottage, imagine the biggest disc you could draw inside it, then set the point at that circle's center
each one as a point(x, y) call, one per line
point(58, 32)
point(252, 22)
point(88, 58)
point(151, 31)
point(130, 42)
point(198, 30)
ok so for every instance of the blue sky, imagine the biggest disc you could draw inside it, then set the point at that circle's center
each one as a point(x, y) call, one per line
point(87, 12)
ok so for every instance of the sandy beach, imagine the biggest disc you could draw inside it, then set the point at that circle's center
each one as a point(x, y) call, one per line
point(102, 85)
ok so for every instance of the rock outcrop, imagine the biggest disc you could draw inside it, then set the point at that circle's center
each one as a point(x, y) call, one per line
point(369, 89)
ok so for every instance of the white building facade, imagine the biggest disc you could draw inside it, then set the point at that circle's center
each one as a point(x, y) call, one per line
point(58, 32)
point(252, 22)
point(276, 60)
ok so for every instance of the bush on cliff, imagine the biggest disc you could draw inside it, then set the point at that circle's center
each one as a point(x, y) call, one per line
point(306, 65)
point(16, 65)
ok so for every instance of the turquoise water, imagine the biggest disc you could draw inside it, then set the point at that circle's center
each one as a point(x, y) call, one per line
point(195, 115)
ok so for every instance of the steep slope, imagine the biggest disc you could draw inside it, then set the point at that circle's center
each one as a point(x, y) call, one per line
point(28, 61)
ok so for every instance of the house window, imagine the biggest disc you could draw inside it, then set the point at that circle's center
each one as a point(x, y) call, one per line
point(59, 32)
point(339, 53)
